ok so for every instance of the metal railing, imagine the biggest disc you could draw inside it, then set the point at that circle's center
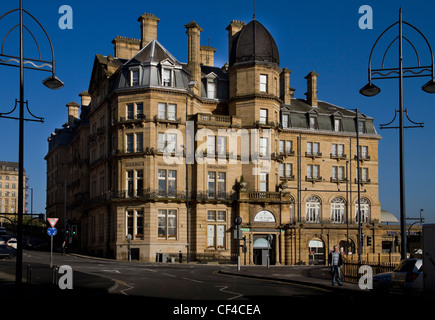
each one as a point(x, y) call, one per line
point(379, 263)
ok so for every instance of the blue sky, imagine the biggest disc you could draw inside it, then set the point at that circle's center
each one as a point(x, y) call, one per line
point(311, 35)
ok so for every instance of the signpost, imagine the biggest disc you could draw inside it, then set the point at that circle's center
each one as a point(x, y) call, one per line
point(52, 232)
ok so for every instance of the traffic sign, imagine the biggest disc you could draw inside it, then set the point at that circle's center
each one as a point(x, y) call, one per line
point(238, 220)
point(52, 231)
point(52, 221)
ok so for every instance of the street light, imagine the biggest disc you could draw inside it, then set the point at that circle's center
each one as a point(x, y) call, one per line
point(51, 82)
point(370, 90)
point(429, 87)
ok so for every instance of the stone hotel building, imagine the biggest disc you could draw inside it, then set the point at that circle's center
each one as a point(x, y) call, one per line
point(171, 152)
point(9, 190)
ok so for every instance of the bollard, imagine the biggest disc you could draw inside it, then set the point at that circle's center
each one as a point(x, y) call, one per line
point(55, 270)
point(29, 274)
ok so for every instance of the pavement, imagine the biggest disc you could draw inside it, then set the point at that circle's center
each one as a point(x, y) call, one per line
point(42, 297)
point(41, 281)
point(315, 276)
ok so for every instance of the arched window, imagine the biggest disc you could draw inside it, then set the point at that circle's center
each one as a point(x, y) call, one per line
point(365, 210)
point(337, 210)
point(313, 206)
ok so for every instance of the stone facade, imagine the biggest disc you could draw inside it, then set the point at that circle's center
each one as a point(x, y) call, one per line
point(239, 144)
point(9, 190)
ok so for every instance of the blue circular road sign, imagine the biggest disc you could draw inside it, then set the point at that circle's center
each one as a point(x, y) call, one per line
point(52, 231)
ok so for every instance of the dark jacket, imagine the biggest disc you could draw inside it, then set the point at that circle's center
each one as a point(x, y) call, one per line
point(340, 259)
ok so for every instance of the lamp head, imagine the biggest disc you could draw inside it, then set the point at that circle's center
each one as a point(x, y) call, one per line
point(429, 87)
point(369, 90)
point(53, 82)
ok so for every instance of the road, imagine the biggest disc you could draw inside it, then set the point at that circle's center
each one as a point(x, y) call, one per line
point(172, 289)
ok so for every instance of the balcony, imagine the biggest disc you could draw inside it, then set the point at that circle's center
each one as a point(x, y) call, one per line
point(363, 157)
point(158, 195)
point(313, 154)
point(363, 181)
point(266, 124)
point(264, 196)
point(287, 153)
point(338, 156)
point(313, 179)
point(135, 118)
point(137, 151)
point(287, 177)
point(219, 120)
point(338, 180)
point(167, 120)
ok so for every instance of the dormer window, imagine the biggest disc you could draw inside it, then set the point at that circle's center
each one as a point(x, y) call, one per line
point(211, 89)
point(361, 126)
point(313, 123)
point(337, 125)
point(285, 120)
point(134, 77)
point(167, 77)
point(211, 85)
point(167, 73)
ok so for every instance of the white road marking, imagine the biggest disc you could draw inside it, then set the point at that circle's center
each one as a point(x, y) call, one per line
point(114, 270)
point(167, 274)
point(188, 279)
point(237, 295)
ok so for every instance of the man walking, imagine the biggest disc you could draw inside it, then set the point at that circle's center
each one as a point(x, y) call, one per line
point(335, 261)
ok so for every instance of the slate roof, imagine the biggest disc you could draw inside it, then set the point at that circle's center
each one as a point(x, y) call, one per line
point(253, 43)
point(300, 111)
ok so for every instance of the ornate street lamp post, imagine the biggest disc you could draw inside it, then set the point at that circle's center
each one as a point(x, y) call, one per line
point(400, 73)
point(51, 82)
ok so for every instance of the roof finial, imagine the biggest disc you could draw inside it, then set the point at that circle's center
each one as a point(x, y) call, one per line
point(254, 11)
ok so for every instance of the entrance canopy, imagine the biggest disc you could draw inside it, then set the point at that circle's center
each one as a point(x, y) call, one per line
point(261, 243)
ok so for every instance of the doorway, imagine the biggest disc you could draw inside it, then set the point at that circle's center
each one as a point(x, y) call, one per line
point(263, 249)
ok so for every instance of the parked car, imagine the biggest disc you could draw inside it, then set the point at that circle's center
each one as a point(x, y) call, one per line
point(12, 242)
point(2, 241)
point(407, 277)
point(7, 252)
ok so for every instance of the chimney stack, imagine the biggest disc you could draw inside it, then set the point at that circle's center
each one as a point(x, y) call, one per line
point(207, 56)
point(85, 98)
point(148, 28)
point(73, 112)
point(126, 48)
point(194, 55)
point(312, 88)
point(286, 91)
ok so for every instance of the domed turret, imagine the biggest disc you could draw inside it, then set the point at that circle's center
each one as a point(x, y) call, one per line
point(253, 43)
